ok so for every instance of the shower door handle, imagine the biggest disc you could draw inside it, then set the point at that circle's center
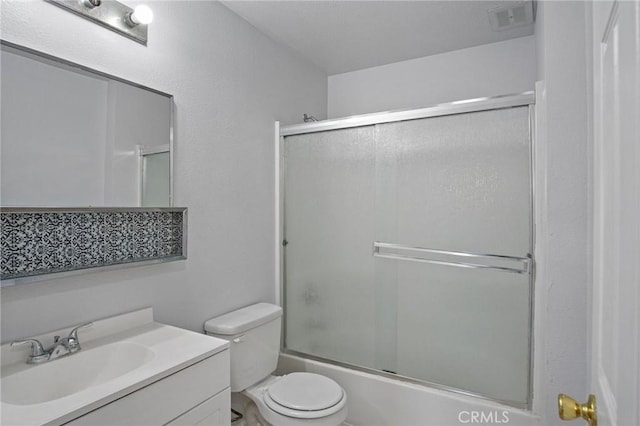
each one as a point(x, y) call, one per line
point(457, 259)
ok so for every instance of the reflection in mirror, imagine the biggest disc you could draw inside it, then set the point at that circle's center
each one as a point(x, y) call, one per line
point(156, 181)
point(75, 137)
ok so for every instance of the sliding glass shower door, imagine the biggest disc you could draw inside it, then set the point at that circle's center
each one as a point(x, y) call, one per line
point(408, 249)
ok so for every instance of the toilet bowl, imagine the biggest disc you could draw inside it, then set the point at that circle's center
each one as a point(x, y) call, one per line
point(294, 399)
point(298, 399)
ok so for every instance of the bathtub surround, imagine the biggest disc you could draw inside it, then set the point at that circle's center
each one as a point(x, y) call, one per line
point(380, 401)
point(42, 241)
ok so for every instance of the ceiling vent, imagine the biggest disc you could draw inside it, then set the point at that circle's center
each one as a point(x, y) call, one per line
point(511, 15)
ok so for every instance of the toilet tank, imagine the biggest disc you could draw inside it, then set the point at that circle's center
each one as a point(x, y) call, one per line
point(254, 336)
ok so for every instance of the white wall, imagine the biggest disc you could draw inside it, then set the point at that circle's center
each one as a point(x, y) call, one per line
point(562, 196)
point(489, 70)
point(230, 83)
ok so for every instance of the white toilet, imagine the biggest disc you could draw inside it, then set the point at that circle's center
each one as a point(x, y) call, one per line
point(293, 399)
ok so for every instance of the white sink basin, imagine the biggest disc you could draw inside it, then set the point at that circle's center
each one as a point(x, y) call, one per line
point(119, 355)
point(74, 373)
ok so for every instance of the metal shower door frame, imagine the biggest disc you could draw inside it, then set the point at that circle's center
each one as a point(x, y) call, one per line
point(451, 108)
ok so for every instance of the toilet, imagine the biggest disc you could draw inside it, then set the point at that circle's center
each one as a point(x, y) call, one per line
point(293, 399)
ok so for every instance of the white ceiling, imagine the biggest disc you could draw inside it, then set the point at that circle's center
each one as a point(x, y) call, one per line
point(341, 35)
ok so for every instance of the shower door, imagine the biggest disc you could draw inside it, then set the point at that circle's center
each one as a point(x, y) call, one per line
point(408, 249)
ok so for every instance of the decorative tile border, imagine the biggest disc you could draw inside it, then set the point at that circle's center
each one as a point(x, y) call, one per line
point(37, 241)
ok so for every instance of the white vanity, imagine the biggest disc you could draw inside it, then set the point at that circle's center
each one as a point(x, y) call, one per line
point(130, 371)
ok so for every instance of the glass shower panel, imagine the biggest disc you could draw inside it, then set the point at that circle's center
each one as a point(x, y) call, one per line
point(455, 183)
point(463, 328)
point(328, 207)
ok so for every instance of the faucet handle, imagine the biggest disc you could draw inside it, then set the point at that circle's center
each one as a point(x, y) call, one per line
point(37, 350)
point(74, 332)
point(73, 335)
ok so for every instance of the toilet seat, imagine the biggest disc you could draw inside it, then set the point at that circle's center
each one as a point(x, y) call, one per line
point(304, 396)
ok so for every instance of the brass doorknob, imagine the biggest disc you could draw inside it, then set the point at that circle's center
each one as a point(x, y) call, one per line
point(570, 409)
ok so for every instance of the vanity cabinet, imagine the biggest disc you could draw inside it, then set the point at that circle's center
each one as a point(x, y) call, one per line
point(196, 395)
point(215, 411)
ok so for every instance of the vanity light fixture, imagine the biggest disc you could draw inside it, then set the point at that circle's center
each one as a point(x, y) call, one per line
point(91, 3)
point(113, 15)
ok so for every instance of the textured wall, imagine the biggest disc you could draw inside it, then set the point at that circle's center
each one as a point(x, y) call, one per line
point(230, 83)
point(488, 70)
point(563, 245)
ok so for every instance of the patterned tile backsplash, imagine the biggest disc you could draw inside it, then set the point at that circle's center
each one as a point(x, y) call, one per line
point(36, 241)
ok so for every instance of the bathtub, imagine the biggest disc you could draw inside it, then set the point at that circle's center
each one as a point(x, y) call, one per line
point(381, 401)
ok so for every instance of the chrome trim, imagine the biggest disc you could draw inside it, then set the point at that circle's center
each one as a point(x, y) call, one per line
point(51, 209)
point(140, 171)
point(70, 65)
point(406, 379)
point(283, 237)
point(277, 146)
point(61, 346)
point(172, 151)
point(457, 107)
point(66, 274)
point(185, 229)
point(526, 261)
point(158, 149)
point(532, 246)
point(110, 14)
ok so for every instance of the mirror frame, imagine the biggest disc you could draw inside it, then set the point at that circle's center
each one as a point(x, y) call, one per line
point(180, 237)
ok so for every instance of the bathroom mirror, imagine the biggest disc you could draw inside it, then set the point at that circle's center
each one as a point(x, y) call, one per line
point(76, 137)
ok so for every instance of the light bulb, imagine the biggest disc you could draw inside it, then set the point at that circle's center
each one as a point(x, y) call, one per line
point(142, 14)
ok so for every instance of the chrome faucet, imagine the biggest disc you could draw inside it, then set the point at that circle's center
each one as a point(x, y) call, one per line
point(61, 346)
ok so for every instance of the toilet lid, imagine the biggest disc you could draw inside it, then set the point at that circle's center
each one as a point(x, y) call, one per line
point(305, 392)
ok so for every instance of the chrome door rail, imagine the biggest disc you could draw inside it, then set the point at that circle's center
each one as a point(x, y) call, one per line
point(524, 269)
point(457, 107)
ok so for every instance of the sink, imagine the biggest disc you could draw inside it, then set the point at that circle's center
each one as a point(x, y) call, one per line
point(75, 373)
point(120, 355)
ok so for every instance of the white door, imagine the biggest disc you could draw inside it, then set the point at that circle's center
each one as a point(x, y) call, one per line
point(615, 338)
